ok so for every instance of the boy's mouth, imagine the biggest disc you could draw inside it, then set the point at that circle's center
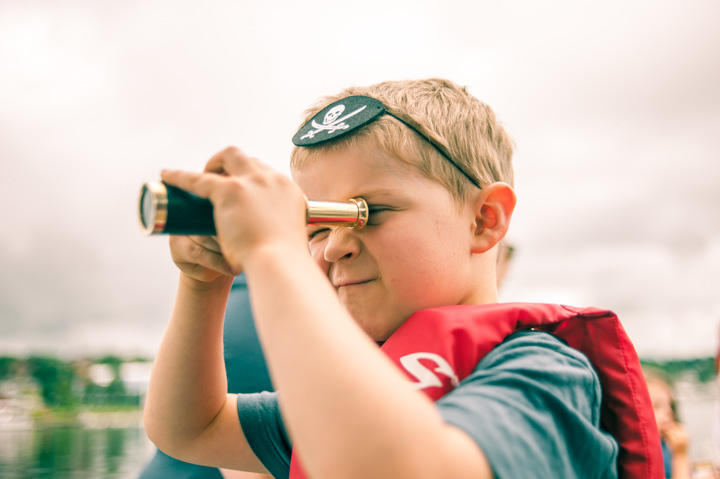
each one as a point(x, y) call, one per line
point(346, 283)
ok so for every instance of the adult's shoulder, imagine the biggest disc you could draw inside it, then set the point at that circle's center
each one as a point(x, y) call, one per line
point(240, 281)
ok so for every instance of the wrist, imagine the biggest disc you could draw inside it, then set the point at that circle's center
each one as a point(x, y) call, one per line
point(284, 251)
point(218, 285)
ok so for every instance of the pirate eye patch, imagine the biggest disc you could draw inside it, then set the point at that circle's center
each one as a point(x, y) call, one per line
point(347, 115)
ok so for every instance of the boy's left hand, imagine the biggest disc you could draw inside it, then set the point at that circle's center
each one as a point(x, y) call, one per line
point(255, 207)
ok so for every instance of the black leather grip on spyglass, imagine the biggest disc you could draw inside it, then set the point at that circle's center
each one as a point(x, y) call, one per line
point(188, 214)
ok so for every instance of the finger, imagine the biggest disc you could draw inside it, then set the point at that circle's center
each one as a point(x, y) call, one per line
point(194, 257)
point(231, 161)
point(215, 163)
point(200, 184)
point(207, 242)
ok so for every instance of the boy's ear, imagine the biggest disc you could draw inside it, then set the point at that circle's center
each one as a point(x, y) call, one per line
point(493, 207)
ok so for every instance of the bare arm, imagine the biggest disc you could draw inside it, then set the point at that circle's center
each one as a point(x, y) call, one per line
point(363, 418)
point(188, 381)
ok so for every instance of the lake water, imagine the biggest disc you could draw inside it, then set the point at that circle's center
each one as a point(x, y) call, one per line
point(121, 452)
point(73, 452)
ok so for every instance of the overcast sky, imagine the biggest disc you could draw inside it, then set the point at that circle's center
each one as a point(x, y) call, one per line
point(614, 108)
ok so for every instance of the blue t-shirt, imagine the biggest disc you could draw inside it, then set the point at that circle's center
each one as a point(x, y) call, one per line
point(532, 405)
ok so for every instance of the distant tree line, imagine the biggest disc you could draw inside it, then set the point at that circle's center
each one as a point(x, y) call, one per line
point(66, 384)
point(703, 369)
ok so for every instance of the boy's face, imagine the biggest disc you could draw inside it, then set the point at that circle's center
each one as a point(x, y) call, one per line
point(413, 254)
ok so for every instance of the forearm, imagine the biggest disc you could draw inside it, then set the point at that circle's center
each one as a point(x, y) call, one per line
point(349, 410)
point(188, 383)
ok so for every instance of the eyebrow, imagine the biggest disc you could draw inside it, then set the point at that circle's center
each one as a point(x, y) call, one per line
point(381, 192)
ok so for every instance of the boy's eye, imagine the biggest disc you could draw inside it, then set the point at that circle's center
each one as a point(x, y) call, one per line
point(318, 233)
point(375, 213)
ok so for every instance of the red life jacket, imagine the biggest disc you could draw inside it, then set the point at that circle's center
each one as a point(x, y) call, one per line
point(455, 338)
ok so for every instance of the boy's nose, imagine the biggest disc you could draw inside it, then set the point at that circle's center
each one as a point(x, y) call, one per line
point(341, 243)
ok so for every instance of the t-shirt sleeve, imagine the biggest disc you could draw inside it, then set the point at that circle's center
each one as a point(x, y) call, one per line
point(533, 407)
point(263, 427)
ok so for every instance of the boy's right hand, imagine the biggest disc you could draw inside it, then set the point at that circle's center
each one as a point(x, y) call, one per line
point(256, 210)
point(199, 258)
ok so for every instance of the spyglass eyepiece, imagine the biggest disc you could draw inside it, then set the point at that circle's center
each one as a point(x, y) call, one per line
point(167, 209)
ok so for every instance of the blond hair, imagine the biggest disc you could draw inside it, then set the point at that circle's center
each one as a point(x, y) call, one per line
point(442, 111)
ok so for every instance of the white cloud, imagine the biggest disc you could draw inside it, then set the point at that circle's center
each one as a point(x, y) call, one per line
point(614, 108)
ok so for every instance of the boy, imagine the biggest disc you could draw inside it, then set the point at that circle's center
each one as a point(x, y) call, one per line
point(419, 279)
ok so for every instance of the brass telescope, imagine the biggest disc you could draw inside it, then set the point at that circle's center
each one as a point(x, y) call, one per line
point(167, 209)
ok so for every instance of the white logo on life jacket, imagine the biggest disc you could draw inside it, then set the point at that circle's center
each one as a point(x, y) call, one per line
point(425, 377)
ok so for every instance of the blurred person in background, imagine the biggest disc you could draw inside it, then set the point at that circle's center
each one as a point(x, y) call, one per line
point(710, 469)
point(673, 436)
point(716, 422)
point(246, 373)
point(714, 465)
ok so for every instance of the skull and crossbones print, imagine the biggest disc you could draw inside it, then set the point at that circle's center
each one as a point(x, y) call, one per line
point(332, 121)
